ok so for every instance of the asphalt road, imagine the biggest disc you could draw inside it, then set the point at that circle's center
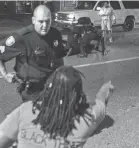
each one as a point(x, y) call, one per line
point(121, 66)
point(121, 126)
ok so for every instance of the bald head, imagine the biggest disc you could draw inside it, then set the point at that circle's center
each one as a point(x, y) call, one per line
point(41, 19)
point(41, 10)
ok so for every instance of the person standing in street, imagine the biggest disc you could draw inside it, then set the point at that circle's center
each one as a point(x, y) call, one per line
point(38, 53)
point(107, 19)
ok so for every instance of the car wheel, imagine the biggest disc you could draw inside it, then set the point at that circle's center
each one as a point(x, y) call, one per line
point(128, 24)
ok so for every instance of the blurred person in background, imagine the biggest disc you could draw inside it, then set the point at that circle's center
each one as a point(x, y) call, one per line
point(91, 38)
point(73, 43)
point(107, 19)
point(91, 41)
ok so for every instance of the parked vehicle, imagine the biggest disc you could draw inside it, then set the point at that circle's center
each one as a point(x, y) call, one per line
point(126, 12)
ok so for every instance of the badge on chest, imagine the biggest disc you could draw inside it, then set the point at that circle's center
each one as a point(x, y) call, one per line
point(39, 51)
point(55, 43)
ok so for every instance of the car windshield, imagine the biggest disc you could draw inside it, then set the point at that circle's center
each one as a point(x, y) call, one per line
point(86, 5)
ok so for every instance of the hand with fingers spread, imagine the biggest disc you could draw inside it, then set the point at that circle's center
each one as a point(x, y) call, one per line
point(105, 92)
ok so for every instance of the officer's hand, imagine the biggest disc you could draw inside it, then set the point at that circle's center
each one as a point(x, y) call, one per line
point(114, 21)
point(9, 77)
point(69, 52)
point(2, 49)
point(104, 92)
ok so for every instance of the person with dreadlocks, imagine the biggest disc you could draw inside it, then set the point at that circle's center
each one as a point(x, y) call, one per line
point(38, 52)
point(60, 116)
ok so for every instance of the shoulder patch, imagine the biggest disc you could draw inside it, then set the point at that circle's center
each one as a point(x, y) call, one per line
point(56, 43)
point(10, 41)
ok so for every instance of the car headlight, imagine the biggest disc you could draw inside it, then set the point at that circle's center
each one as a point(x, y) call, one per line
point(71, 16)
point(56, 14)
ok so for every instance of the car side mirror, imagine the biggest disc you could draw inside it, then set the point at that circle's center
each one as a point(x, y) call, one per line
point(98, 8)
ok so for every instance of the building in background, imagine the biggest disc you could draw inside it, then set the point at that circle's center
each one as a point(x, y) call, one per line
point(27, 7)
point(65, 5)
point(7, 7)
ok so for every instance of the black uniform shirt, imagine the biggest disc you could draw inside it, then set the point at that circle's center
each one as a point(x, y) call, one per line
point(72, 42)
point(40, 50)
point(88, 37)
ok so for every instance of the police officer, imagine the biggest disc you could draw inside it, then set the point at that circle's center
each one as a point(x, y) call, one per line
point(38, 53)
point(90, 41)
point(73, 43)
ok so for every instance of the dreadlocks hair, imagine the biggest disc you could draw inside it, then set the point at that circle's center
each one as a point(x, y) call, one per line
point(62, 102)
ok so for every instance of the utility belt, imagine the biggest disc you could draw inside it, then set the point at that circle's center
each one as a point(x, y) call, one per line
point(29, 86)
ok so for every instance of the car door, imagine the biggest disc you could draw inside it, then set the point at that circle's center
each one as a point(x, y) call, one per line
point(90, 12)
point(118, 11)
point(94, 15)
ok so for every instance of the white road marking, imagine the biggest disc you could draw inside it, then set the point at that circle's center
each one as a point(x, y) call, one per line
point(99, 63)
point(106, 62)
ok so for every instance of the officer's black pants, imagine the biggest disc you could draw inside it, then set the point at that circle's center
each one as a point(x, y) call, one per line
point(29, 96)
point(75, 51)
point(31, 91)
point(88, 47)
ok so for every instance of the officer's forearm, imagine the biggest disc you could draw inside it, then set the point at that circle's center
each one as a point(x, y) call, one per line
point(69, 52)
point(3, 70)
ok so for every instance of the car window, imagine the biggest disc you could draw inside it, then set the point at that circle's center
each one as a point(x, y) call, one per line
point(86, 5)
point(131, 4)
point(101, 3)
point(115, 5)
